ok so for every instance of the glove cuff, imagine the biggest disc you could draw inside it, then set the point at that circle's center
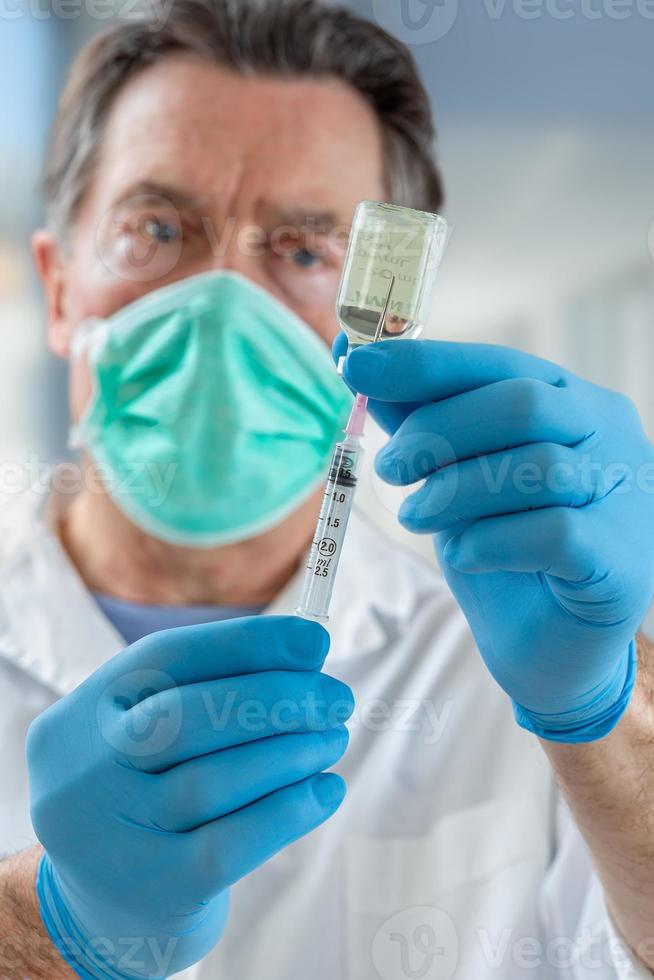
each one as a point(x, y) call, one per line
point(80, 953)
point(569, 727)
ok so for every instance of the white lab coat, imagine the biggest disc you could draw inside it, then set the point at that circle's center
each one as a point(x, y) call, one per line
point(452, 855)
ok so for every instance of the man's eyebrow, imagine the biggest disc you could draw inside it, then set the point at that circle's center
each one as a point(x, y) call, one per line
point(323, 220)
point(171, 194)
point(299, 217)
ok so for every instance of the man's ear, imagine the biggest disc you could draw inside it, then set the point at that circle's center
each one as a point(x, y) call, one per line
point(48, 259)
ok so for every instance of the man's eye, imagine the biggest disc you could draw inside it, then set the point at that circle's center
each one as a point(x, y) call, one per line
point(161, 232)
point(304, 258)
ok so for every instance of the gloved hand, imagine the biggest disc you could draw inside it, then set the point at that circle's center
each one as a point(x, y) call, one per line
point(181, 765)
point(539, 488)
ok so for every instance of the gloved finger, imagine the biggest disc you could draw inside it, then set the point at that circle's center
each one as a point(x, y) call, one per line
point(187, 722)
point(386, 414)
point(559, 541)
point(339, 347)
point(487, 420)
point(200, 791)
point(429, 370)
point(192, 654)
point(233, 846)
point(526, 478)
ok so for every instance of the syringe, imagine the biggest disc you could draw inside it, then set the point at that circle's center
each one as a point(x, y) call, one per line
point(336, 506)
point(337, 503)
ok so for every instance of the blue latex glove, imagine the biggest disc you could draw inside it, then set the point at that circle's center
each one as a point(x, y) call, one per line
point(539, 489)
point(181, 765)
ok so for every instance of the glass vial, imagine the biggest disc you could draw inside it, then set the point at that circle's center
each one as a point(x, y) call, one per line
point(389, 272)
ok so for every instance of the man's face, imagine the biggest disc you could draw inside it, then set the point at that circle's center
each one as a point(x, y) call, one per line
point(202, 169)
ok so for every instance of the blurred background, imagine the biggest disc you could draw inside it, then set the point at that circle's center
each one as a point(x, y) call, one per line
point(546, 132)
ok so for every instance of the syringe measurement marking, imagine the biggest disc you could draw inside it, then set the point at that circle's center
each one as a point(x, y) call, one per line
point(323, 545)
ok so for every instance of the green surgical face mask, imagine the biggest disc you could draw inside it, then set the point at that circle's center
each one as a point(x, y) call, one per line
point(214, 412)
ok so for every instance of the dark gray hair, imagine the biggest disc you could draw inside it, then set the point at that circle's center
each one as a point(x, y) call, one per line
point(278, 37)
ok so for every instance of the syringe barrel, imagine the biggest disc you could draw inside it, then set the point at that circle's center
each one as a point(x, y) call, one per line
point(329, 537)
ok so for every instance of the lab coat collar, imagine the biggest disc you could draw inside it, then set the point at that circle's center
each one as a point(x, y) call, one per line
point(50, 624)
point(52, 628)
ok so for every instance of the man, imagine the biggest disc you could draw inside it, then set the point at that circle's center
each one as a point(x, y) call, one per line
point(197, 176)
